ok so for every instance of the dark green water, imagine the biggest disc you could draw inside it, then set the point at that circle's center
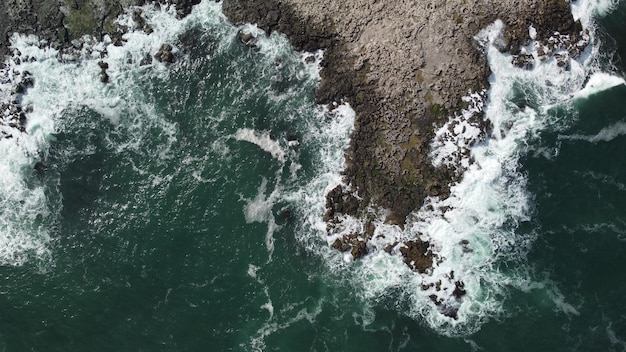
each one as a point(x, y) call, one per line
point(167, 226)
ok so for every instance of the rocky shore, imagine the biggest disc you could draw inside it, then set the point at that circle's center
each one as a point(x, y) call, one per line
point(61, 24)
point(404, 67)
point(58, 22)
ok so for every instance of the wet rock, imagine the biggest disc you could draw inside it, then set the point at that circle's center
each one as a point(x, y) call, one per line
point(104, 76)
point(524, 60)
point(40, 167)
point(562, 60)
point(147, 60)
point(247, 38)
point(140, 21)
point(165, 54)
point(359, 249)
point(449, 311)
point(459, 290)
point(417, 255)
point(184, 7)
point(340, 245)
point(388, 248)
point(340, 201)
point(25, 83)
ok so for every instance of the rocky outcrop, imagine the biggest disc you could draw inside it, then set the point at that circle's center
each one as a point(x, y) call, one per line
point(13, 114)
point(60, 21)
point(404, 66)
point(62, 24)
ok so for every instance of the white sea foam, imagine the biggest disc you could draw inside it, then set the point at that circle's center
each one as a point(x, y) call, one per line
point(461, 132)
point(606, 134)
point(259, 209)
point(263, 141)
point(257, 343)
point(70, 82)
point(598, 82)
point(587, 10)
point(24, 208)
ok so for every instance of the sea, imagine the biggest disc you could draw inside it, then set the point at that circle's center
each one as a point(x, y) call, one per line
point(179, 206)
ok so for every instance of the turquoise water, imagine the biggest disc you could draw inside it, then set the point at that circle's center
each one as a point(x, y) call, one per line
point(181, 206)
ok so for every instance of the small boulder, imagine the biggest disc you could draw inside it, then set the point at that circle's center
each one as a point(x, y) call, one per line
point(417, 255)
point(249, 39)
point(359, 249)
point(524, 60)
point(165, 54)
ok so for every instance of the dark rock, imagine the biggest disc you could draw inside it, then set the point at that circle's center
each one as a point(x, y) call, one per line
point(247, 38)
point(523, 60)
point(417, 255)
point(340, 201)
point(340, 245)
point(459, 290)
point(40, 167)
point(359, 249)
point(286, 214)
point(388, 248)
point(164, 54)
point(562, 60)
point(147, 60)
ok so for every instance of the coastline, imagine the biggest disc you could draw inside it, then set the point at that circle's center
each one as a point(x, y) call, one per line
point(58, 23)
point(404, 69)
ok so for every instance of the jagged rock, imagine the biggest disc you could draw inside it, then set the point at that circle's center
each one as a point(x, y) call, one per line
point(524, 60)
point(459, 290)
point(359, 249)
point(247, 38)
point(164, 54)
point(562, 60)
point(340, 201)
point(140, 21)
point(340, 245)
point(417, 255)
point(147, 60)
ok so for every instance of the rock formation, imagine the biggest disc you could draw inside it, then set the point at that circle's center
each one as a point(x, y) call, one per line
point(404, 66)
point(61, 21)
